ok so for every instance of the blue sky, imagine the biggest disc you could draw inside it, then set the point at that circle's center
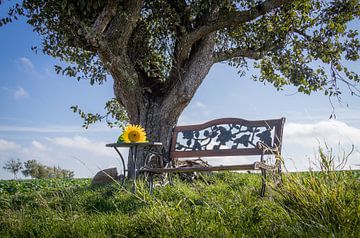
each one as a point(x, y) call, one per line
point(36, 121)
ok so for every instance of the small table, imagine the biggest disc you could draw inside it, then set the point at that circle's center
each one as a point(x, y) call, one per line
point(133, 147)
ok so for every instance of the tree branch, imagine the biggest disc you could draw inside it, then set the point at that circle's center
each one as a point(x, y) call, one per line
point(237, 52)
point(183, 11)
point(112, 25)
point(231, 19)
point(183, 89)
point(105, 17)
point(249, 52)
point(114, 48)
point(236, 18)
point(94, 33)
point(123, 24)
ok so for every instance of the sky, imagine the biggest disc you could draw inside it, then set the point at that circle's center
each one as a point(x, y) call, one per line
point(36, 121)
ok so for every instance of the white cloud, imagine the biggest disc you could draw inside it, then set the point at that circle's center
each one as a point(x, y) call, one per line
point(38, 145)
point(302, 140)
point(8, 145)
point(200, 105)
point(28, 65)
point(196, 113)
point(77, 153)
point(55, 129)
point(20, 93)
point(83, 143)
point(331, 131)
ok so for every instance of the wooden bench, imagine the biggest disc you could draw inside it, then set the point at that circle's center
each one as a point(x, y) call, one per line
point(226, 137)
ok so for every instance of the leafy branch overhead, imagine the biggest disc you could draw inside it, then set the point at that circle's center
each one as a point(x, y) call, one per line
point(155, 48)
point(115, 115)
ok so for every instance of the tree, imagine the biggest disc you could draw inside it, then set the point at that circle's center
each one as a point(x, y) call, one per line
point(31, 169)
point(14, 166)
point(37, 170)
point(57, 172)
point(159, 51)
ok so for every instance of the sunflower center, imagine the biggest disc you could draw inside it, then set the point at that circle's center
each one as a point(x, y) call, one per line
point(134, 136)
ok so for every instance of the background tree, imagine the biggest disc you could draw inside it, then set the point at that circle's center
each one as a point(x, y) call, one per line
point(159, 51)
point(57, 172)
point(13, 166)
point(31, 168)
point(34, 169)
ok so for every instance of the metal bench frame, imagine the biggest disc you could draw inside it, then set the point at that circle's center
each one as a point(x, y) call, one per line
point(260, 137)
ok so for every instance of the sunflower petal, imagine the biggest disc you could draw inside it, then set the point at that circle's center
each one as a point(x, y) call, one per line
point(133, 133)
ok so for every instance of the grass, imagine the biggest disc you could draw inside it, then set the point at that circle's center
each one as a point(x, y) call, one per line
point(314, 204)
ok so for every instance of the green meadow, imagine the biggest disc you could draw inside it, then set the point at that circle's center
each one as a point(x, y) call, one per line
point(312, 204)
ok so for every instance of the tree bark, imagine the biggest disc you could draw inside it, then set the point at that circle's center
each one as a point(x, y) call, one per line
point(158, 120)
point(158, 124)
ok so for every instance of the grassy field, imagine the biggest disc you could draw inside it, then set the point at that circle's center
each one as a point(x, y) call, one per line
point(322, 204)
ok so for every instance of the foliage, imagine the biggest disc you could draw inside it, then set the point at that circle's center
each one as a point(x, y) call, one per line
point(322, 201)
point(36, 170)
point(150, 45)
point(14, 166)
point(114, 111)
point(11, 187)
point(311, 204)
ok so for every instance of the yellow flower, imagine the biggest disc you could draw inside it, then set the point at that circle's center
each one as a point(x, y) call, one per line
point(133, 133)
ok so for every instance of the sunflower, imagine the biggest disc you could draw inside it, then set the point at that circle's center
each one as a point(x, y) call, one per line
point(133, 133)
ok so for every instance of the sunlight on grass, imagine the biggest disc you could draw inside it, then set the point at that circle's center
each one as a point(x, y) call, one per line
point(309, 204)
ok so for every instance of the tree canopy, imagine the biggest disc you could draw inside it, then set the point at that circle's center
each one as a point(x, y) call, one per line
point(287, 38)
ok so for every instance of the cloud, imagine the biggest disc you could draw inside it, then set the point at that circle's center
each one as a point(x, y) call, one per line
point(55, 128)
point(199, 104)
point(8, 145)
point(38, 145)
point(83, 143)
point(80, 154)
point(302, 140)
point(196, 113)
point(20, 93)
point(331, 131)
point(27, 64)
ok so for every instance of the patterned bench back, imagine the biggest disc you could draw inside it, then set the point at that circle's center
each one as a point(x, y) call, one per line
point(226, 137)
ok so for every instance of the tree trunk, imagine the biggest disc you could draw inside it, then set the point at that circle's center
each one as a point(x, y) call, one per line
point(158, 123)
point(158, 114)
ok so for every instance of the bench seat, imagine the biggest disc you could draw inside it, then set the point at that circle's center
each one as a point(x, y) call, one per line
point(199, 169)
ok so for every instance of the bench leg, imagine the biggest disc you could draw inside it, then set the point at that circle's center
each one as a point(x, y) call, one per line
point(263, 182)
point(151, 183)
point(171, 181)
point(280, 174)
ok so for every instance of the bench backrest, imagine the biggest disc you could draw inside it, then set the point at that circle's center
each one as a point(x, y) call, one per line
point(227, 137)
